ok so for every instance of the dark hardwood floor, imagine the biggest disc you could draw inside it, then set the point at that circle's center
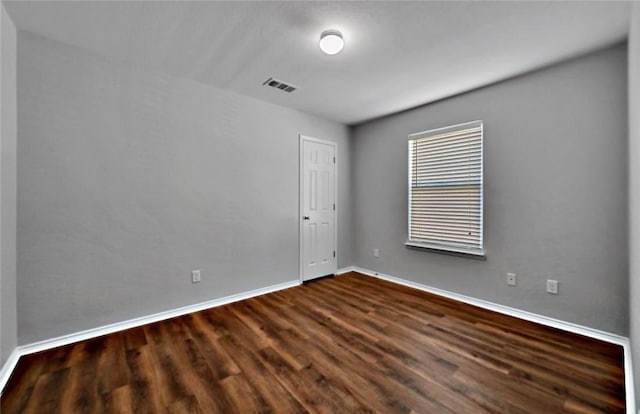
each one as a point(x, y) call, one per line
point(347, 344)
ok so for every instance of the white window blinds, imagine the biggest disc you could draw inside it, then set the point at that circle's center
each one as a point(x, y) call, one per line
point(445, 188)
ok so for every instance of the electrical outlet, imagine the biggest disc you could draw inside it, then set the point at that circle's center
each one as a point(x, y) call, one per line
point(376, 252)
point(552, 286)
point(195, 276)
point(511, 279)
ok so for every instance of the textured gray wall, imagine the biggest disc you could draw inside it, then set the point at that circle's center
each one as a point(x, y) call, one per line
point(129, 179)
point(8, 306)
point(555, 192)
point(634, 191)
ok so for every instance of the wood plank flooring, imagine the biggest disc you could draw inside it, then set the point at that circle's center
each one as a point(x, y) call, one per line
point(347, 344)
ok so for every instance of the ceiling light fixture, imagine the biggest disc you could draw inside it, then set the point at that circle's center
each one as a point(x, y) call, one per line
point(331, 42)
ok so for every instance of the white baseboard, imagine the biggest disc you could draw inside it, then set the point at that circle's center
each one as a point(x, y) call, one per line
point(531, 317)
point(10, 365)
point(628, 379)
point(344, 270)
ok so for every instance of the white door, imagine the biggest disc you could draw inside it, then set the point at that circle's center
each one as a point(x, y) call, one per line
point(317, 208)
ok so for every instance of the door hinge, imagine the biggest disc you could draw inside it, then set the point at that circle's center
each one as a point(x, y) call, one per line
point(334, 160)
point(334, 206)
point(334, 253)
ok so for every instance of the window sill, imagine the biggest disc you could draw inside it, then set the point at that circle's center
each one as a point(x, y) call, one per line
point(452, 251)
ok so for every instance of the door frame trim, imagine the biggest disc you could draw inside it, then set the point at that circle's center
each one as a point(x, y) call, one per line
point(301, 139)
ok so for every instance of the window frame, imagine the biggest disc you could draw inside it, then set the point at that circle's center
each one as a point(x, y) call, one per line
point(478, 253)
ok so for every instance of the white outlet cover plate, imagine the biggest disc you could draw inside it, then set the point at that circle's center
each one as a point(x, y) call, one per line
point(195, 276)
point(511, 279)
point(552, 286)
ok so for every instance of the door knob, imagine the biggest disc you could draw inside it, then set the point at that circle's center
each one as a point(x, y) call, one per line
point(306, 217)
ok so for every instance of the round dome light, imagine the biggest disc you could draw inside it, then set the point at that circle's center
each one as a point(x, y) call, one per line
point(331, 42)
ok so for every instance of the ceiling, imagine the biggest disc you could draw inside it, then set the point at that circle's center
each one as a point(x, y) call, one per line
point(398, 55)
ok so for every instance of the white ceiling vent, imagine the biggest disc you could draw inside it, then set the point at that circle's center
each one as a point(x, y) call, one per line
point(275, 83)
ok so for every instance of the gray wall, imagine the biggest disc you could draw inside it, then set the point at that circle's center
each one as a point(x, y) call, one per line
point(8, 308)
point(555, 192)
point(634, 190)
point(129, 179)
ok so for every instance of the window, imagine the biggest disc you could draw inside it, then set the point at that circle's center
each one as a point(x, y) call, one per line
point(445, 189)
